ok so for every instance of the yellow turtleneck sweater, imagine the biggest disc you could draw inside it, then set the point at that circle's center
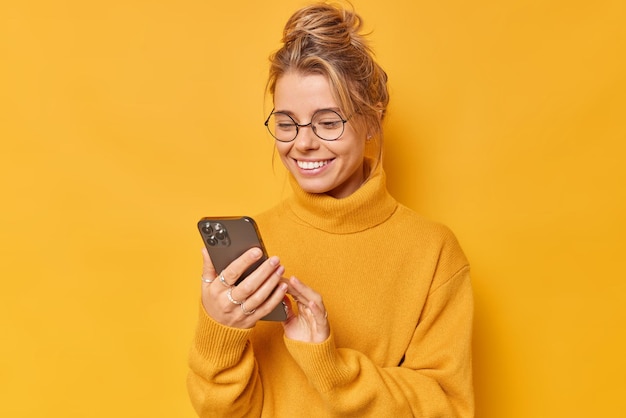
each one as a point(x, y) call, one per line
point(398, 294)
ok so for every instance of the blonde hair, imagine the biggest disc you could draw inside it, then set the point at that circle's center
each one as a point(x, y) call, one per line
point(326, 39)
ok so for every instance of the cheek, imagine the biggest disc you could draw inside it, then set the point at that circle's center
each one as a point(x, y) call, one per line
point(356, 128)
point(352, 149)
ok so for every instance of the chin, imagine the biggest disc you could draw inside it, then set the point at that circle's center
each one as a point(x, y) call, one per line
point(314, 188)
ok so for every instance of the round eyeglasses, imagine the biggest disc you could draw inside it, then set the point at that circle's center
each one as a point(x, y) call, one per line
point(325, 123)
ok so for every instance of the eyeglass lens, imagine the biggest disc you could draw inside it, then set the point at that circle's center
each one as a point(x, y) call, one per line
point(326, 124)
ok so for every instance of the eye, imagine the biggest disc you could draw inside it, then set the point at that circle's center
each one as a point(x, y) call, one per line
point(282, 122)
point(328, 120)
point(285, 126)
point(329, 123)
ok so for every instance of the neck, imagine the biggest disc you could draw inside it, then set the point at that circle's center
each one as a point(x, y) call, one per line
point(365, 208)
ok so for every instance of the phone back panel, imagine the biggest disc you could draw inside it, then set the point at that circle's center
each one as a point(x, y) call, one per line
point(227, 238)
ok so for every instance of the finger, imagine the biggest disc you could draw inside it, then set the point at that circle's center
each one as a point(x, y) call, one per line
point(302, 293)
point(308, 315)
point(240, 265)
point(208, 271)
point(289, 309)
point(261, 282)
point(319, 315)
point(277, 296)
point(295, 290)
point(262, 273)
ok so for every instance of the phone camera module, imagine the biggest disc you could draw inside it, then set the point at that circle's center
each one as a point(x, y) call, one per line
point(215, 234)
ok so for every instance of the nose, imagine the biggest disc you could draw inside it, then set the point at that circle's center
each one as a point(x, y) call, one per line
point(306, 138)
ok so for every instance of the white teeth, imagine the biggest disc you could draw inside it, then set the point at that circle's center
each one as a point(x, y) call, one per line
point(311, 165)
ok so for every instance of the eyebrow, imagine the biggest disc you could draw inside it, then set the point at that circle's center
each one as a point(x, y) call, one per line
point(290, 113)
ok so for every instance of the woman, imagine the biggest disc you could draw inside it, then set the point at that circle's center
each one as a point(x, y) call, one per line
point(379, 301)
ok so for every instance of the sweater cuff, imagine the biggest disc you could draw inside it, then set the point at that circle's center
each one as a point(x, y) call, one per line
point(320, 362)
point(219, 344)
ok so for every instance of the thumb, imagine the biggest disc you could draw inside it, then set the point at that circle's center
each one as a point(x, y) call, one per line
point(289, 309)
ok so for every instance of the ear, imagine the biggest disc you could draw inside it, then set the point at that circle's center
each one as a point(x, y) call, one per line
point(381, 110)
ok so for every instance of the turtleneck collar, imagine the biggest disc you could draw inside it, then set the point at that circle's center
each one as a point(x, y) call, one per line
point(367, 207)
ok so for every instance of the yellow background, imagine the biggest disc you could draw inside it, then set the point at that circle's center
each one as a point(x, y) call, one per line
point(122, 122)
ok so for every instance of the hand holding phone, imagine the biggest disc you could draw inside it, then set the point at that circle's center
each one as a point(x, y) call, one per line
point(226, 239)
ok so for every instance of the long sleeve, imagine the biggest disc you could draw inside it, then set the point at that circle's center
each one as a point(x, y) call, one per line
point(434, 380)
point(223, 379)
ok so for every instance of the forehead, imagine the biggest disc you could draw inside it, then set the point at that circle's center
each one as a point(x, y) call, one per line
point(303, 94)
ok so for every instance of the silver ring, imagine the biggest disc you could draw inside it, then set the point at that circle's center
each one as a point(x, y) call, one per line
point(223, 280)
point(229, 294)
point(207, 280)
point(243, 309)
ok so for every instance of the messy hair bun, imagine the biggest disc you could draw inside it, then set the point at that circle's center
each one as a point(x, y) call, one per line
point(326, 39)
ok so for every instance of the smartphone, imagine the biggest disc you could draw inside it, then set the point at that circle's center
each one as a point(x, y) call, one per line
point(227, 238)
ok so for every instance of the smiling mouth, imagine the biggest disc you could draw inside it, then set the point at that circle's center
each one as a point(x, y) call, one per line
point(311, 165)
